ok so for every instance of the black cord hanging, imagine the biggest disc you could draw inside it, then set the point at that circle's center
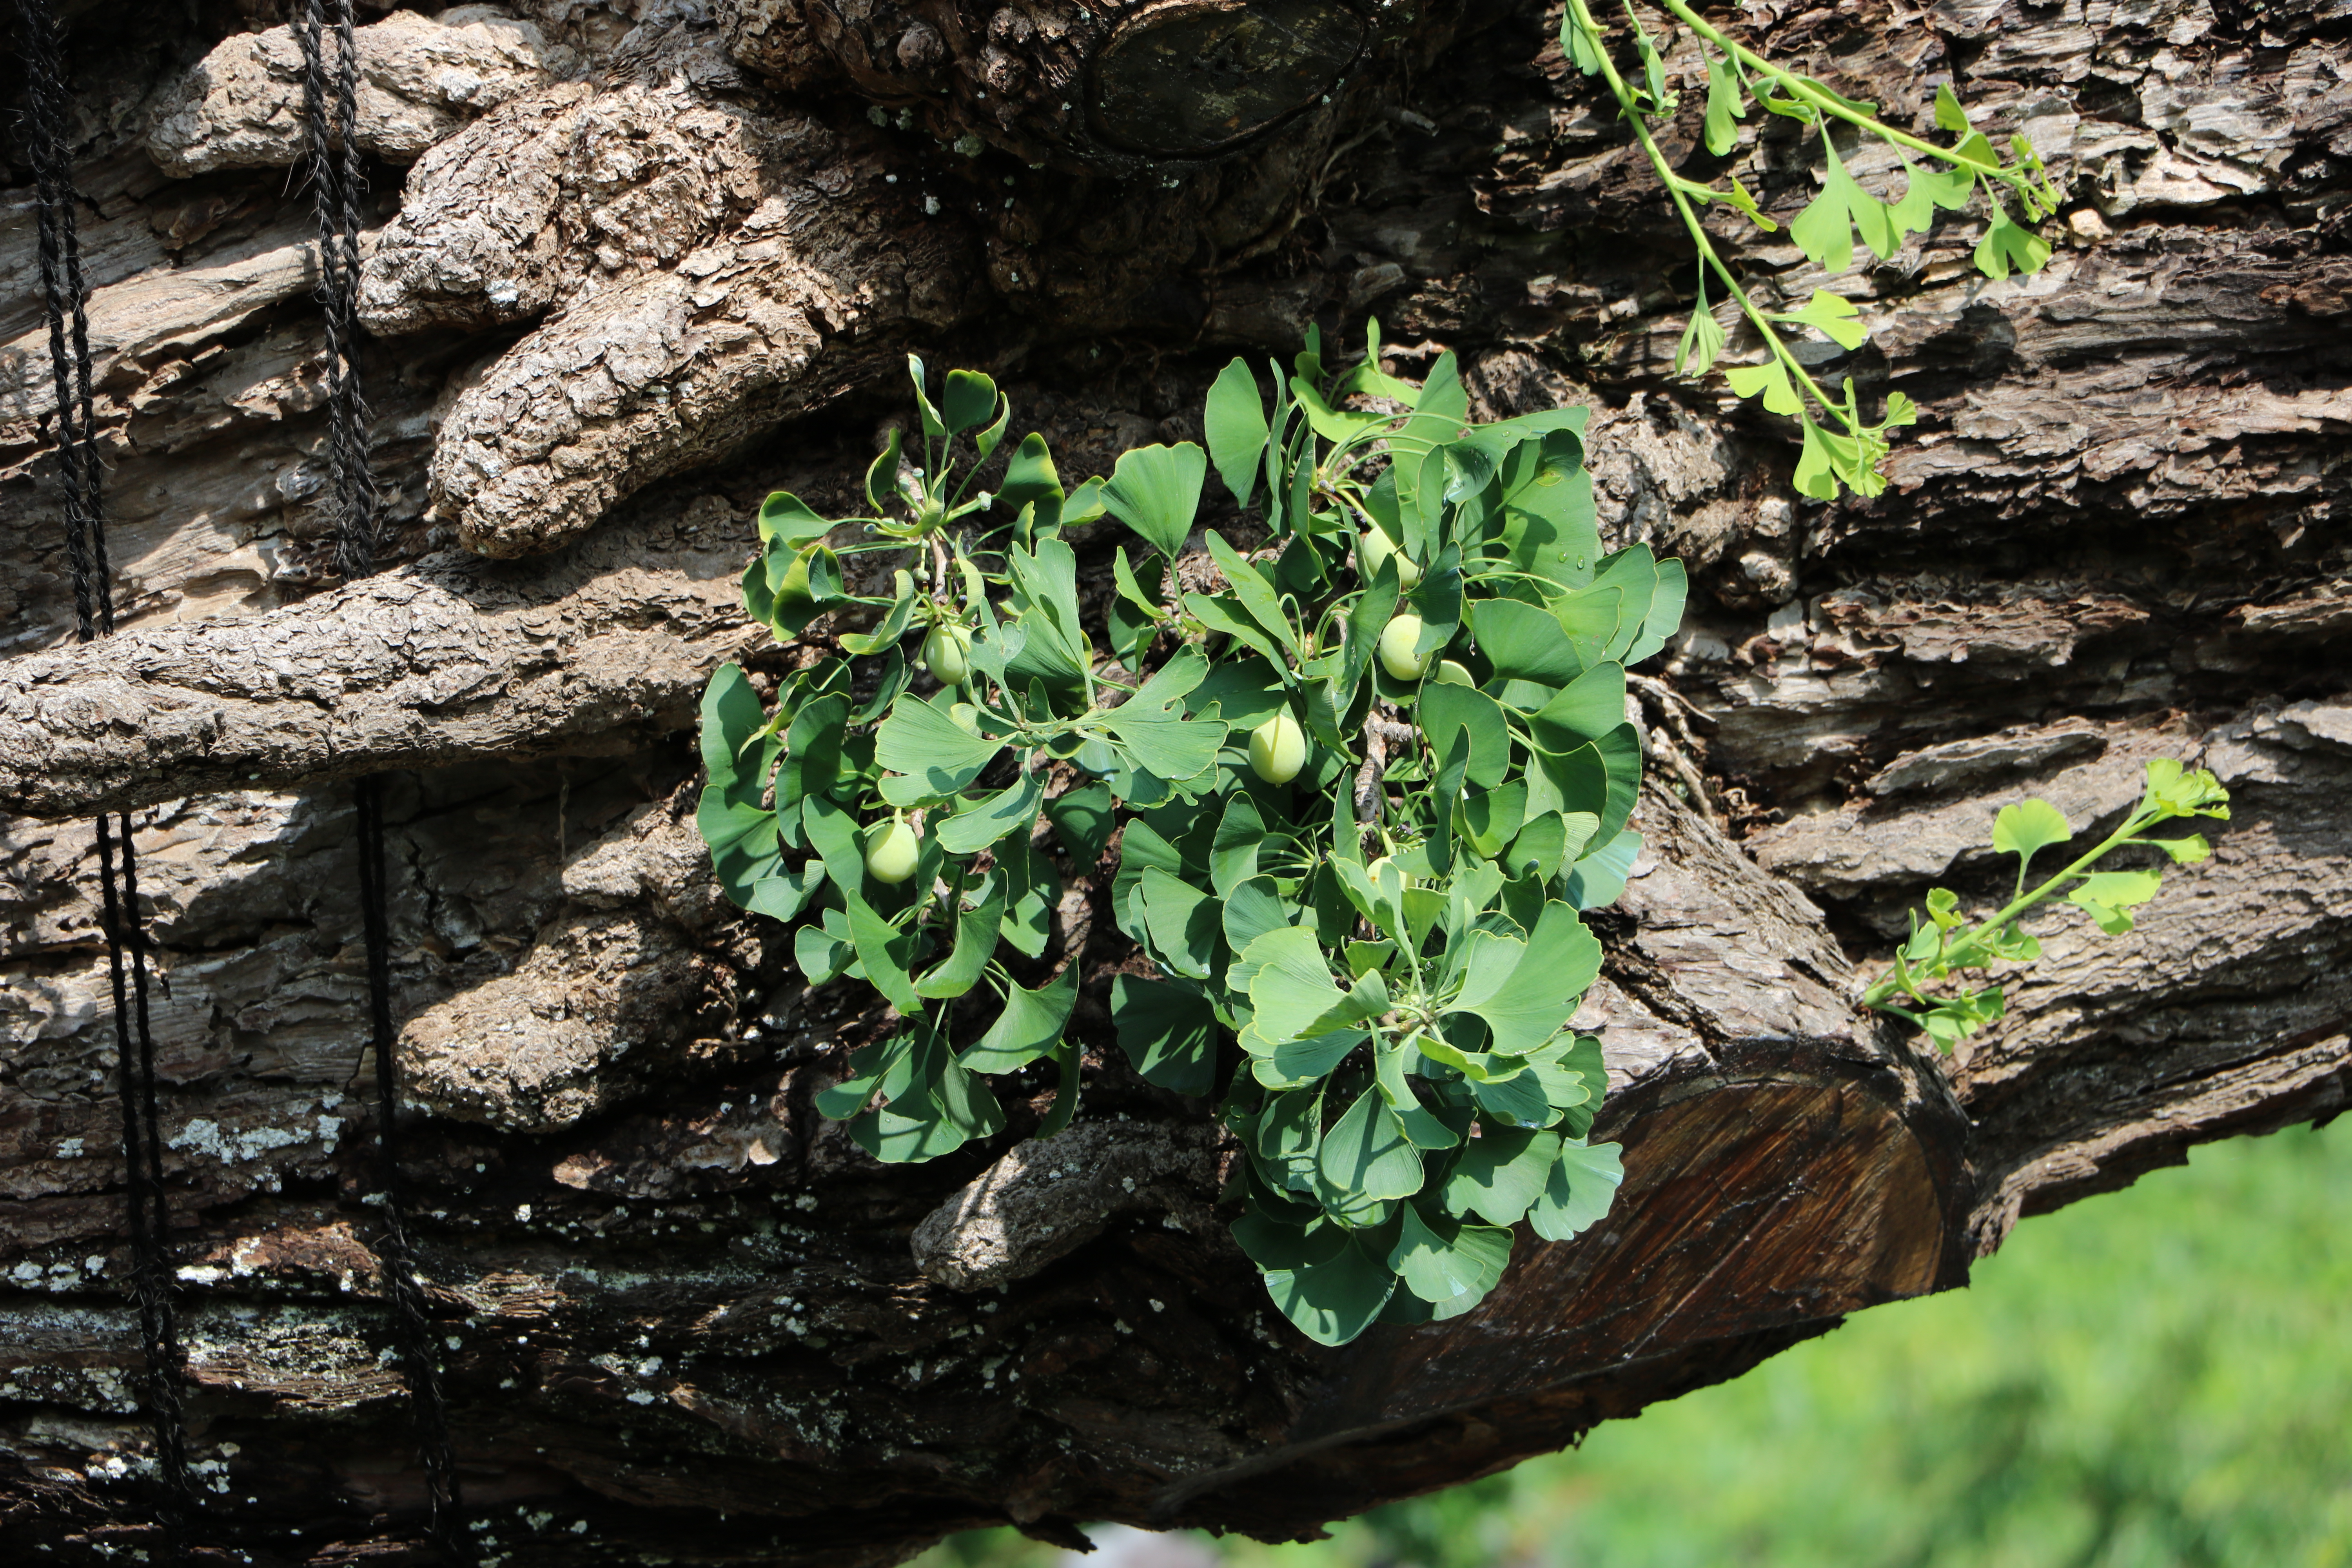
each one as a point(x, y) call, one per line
point(330, 109)
point(330, 106)
point(338, 184)
point(64, 293)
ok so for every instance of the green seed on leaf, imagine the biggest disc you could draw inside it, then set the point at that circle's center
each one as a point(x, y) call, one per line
point(891, 852)
point(1375, 548)
point(947, 654)
point(1277, 749)
point(1396, 649)
point(1450, 673)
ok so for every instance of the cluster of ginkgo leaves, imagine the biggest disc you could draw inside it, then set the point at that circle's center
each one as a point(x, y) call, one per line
point(1945, 944)
point(1364, 787)
point(1843, 445)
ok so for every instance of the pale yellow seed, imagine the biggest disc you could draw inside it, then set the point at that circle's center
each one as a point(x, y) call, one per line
point(1277, 749)
point(1397, 656)
point(891, 852)
point(947, 654)
point(1374, 547)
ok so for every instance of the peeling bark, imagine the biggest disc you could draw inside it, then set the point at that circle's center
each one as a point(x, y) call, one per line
point(686, 1307)
point(420, 79)
point(1049, 1197)
point(448, 660)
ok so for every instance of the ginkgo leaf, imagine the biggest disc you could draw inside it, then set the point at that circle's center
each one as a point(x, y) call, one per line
point(1442, 1260)
point(2028, 828)
point(2179, 790)
point(2109, 896)
point(1949, 112)
point(1156, 490)
point(1526, 993)
point(2185, 851)
point(1366, 1151)
point(1830, 457)
point(1816, 475)
point(1583, 49)
point(1825, 229)
point(1336, 1297)
point(1293, 985)
point(2007, 247)
point(1703, 340)
point(1834, 317)
point(1726, 100)
point(1771, 381)
point(1578, 1190)
point(1027, 1028)
point(1235, 421)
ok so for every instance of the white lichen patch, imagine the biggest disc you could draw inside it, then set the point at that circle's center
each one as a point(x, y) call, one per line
point(208, 1139)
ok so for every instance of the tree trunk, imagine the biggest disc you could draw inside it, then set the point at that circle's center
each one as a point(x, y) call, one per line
point(634, 268)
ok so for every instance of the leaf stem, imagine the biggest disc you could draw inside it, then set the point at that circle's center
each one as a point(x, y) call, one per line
point(1677, 189)
point(1814, 97)
point(1973, 943)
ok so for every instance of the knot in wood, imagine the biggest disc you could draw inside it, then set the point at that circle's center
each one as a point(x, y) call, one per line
point(1002, 71)
point(921, 48)
point(1191, 78)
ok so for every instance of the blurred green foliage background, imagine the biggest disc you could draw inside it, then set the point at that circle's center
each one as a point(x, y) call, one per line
point(2159, 1378)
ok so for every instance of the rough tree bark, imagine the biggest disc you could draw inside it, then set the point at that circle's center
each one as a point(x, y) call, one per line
point(635, 265)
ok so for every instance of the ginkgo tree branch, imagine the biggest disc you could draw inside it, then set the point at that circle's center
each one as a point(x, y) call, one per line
point(1825, 232)
point(1829, 104)
point(2025, 829)
point(1680, 191)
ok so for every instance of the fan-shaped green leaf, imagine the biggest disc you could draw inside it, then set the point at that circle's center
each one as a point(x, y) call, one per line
point(1156, 490)
point(1184, 923)
point(1447, 711)
point(1578, 1190)
point(2027, 828)
point(1500, 1172)
point(1293, 986)
point(1525, 643)
point(969, 401)
point(1168, 1031)
point(923, 744)
point(1598, 879)
point(1235, 421)
point(1442, 1259)
point(1527, 1003)
point(976, 935)
point(1770, 381)
point(1665, 616)
point(981, 822)
point(1366, 1151)
point(1030, 890)
point(1335, 1300)
point(1029, 1024)
point(1591, 705)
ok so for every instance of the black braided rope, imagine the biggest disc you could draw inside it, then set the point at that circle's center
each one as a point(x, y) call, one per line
point(64, 295)
point(329, 108)
point(337, 183)
point(419, 1360)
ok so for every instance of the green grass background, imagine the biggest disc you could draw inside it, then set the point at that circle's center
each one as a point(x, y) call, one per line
point(2159, 1377)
